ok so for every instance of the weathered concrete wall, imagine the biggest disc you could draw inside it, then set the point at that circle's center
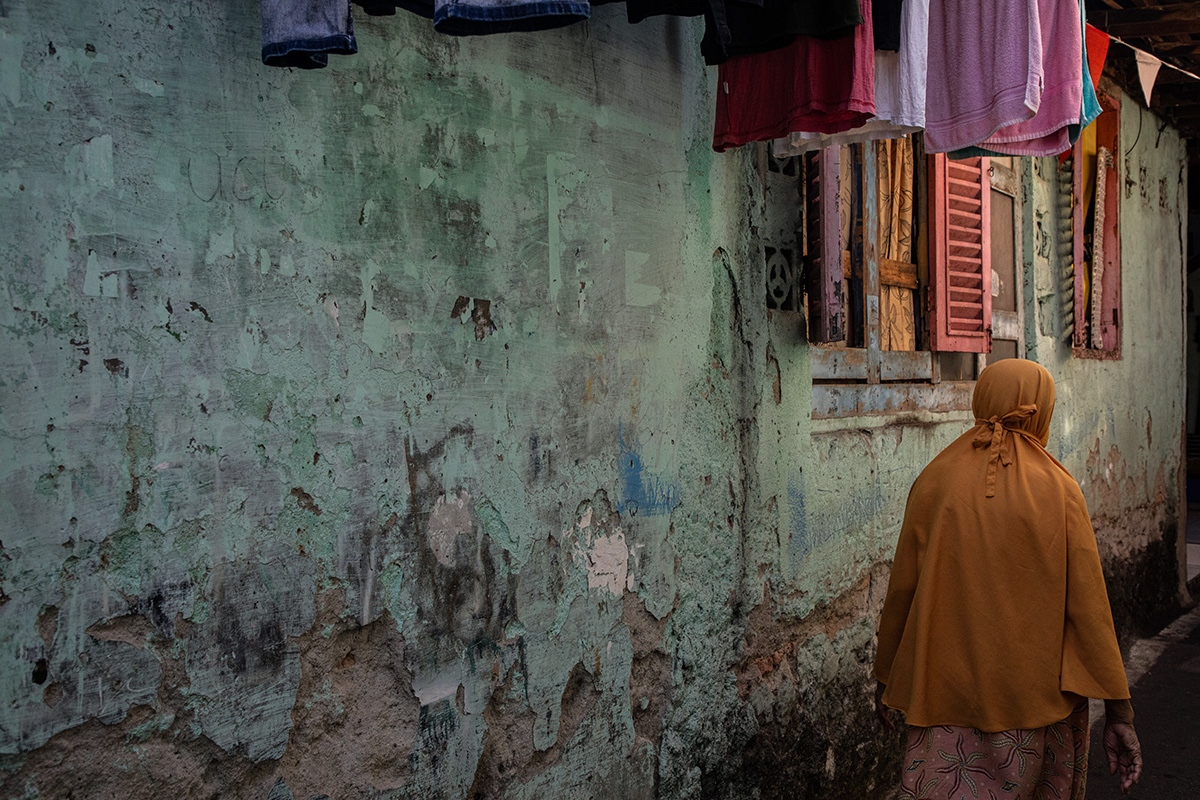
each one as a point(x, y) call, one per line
point(1193, 340)
point(834, 489)
point(415, 428)
point(1119, 424)
point(391, 430)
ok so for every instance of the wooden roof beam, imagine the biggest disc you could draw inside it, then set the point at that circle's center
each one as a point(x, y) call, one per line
point(1141, 22)
point(1176, 94)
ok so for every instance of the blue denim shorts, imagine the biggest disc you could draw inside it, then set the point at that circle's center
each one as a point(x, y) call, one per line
point(302, 33)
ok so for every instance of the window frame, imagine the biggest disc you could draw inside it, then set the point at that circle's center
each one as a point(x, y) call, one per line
point(864, 383)
point(1010, 325)
point(1108, 134)
point(834, 362)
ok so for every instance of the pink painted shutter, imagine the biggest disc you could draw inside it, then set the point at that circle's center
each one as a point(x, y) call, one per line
point(823, 272)
point(961, 257)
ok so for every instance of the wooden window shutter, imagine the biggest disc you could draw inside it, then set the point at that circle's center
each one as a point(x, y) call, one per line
point(823, 268)
point(961, 255)
point(1097, 258)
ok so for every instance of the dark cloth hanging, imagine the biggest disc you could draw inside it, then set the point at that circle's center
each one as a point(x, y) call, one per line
point(638, 10)
point(886, 19)
point(735, 28)
point(387, 8)
point(479, 17)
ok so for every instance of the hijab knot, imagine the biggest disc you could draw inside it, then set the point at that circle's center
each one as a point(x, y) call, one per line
point(991, 435)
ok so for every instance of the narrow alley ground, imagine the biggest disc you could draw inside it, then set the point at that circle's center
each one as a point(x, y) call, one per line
point(1193, 541)
point(1165, 676)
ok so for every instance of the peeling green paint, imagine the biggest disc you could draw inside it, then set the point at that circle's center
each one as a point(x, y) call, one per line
point(415, 416)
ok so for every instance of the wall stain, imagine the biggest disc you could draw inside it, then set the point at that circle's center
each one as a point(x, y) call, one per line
point(305, 500)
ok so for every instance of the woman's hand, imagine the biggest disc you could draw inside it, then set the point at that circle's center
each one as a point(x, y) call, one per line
point(884, 713)
point(1124, 753)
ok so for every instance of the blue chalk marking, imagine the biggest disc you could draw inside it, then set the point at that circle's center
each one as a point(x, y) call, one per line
point(641, 493)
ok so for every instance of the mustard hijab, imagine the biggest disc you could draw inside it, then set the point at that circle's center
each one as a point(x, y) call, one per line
point(996, 614)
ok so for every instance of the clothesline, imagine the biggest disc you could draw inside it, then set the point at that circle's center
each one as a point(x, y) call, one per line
point(809, 73)
point(1119, 40)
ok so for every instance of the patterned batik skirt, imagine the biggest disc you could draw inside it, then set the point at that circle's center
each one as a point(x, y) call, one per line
point(952, 763)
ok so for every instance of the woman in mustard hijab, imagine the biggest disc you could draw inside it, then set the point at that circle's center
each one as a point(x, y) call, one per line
point(996, 627)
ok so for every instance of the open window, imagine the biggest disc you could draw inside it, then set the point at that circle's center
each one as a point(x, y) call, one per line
point(1094, 166)
point(1007, 264)
point(895, 256)
point(906, 267)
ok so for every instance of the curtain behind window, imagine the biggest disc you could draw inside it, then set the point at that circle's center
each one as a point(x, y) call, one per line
point(897, 304)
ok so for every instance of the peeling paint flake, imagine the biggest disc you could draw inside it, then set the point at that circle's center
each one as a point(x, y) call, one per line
point(96, 281)
point(151, 87)
point(601, 551)
point(607, 563)
point(93, 163)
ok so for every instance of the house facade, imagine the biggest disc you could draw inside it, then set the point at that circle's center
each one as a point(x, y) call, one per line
point(453, 422)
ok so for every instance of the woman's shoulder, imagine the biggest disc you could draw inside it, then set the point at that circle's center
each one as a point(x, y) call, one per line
point(1062, 478)
point(962, 461)
point(951, 460)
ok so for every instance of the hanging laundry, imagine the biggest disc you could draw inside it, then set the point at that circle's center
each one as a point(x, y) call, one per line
point(900, 77)
point(479, 17)
point(387, 8)
point(899, 90)
point(821, 85)
point(638, 10)
point(887, 16)
point(476, 17)
point(1017, 140)
point(985, 70)
point(714, 10)
point(1063, 68)
point(735, 28)
point(303, 35)
point(1091, 82)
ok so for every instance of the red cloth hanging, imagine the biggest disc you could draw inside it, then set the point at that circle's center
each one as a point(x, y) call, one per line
point(826, 86)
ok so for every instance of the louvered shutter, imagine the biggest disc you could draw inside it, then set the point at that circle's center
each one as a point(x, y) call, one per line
point(961, 257)
point(823, 267)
